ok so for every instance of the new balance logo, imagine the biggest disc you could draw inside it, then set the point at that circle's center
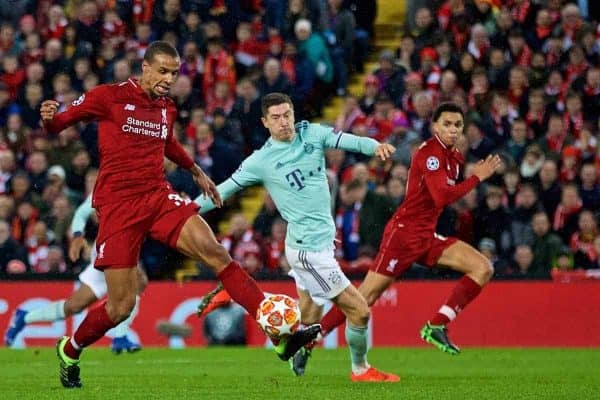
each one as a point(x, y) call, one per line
point(392, 265)
point(129, 107)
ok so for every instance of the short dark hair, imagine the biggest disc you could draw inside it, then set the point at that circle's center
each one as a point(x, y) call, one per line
point(274, 99)
point(447, 107)
point(160, 47)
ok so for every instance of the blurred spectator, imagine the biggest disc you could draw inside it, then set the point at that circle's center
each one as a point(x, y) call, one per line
point(7, 207)
point(564, 260)
point(59, 220)
point(218, 67)
point(546, 245)
point(526, 207)
point(275, 247)
point(362, 221)
point(9, 249)
point(371, 90)
point(37, 244)
point(492, 221)
point(168, 19)
point(273, 79)
point(523, 259)
point(582, 241)
point(511, 183)
point(517, 144)
point(215, 155)
point(339, 32)
point(246, 110)
point(549, 189)
point(567, 212)
point(349, 115)
point(312, 46)
point(266, 217)
point(243, 243)
point(56, 259)
point(589, 188)
point(532, 162)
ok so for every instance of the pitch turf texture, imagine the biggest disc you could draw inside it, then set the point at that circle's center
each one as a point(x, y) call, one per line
point(253, 373)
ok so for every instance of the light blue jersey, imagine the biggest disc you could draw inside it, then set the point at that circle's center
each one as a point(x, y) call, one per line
point(294, 175)
point(82, 214)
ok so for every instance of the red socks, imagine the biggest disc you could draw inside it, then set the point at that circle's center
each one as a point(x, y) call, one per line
point(93, 327)
point(334, 318)
point(241, 287)
point(464, 292)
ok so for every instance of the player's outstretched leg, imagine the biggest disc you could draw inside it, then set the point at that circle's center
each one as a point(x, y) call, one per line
point(121, 342)
point(52, 312)
point(68, 367)
point(216, 298)
point(289, 345)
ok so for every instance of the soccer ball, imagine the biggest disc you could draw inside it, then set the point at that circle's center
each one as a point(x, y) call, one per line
point(278, 315)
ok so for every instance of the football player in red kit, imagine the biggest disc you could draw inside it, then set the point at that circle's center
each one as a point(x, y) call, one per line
point(133, 199)
point(410, 234)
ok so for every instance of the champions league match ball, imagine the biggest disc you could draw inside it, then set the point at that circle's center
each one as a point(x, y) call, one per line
point(278, 315)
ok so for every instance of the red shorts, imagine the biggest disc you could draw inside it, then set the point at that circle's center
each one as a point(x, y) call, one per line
point(123, 226)
point(401, 247)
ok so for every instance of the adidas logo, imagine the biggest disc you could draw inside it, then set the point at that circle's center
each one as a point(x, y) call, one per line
point(129, 107)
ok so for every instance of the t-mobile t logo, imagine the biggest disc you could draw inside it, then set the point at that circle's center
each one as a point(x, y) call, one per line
point(296, 179)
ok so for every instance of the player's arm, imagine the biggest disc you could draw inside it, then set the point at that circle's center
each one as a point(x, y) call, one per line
point(80, 218)
point(89, 106)
point(444, 194)
point(358, 144)
point(176, 153)
point(246, 175)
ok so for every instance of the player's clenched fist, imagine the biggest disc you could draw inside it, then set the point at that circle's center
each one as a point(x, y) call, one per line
point(48, 110)
point(384, 151)
point(486, 168)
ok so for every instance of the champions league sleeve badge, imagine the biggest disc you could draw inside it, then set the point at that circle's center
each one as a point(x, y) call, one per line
point(433, 163)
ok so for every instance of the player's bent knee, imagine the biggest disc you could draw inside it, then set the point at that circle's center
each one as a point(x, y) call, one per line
point(72, 308)
point(217, 257)
point(119, 311)
point(485, 271)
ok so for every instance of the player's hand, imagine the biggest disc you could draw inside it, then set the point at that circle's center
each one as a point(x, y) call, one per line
point(77, 245)
point(486, 168)
point(48, 110)
point(384, 151)
point(207, 185)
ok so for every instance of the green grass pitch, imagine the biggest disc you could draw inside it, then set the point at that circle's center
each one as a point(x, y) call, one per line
point(254, 373)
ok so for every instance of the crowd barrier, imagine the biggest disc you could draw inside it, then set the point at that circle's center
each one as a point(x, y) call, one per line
point(515, 313)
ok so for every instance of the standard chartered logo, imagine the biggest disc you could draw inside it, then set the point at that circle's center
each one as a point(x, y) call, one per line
point(145, 128)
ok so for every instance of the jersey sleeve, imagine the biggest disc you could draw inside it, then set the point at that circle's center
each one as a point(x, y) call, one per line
point(175, 152)
point(89, 106)
point(82, 214)
point(436, 180)
point(247, 174)
point(343, 140)
point(173, 149)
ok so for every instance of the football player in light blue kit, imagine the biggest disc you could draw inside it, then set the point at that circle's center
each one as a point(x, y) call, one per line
point(291, 166)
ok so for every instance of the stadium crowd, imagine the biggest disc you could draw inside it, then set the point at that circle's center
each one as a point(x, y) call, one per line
point(527, 74)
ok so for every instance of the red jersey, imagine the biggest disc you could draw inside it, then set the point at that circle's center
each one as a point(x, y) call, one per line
point(135, 132)
point(432, 185)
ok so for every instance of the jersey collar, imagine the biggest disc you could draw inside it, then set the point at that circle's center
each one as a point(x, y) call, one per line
point(143, 94)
